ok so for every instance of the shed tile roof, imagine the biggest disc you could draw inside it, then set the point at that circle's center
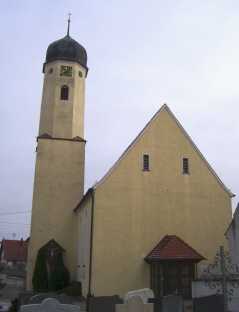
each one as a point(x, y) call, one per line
point(14, 250)
point(77, 138)
point(172, 247)
point(45, 135)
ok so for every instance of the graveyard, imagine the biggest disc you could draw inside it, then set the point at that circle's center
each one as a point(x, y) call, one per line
point(216, 290)
point(134, 301)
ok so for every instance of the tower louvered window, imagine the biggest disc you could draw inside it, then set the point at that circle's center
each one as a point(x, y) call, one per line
point(64, 92)
point(185, 165)
point(146, 164)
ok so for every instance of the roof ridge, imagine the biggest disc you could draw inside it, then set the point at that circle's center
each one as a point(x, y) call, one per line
point(168, 244)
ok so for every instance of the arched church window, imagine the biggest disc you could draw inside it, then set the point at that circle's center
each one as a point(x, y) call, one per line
point(64, 92)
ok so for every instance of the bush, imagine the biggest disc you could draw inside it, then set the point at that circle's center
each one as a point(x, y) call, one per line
point(40, 275)
point(13, 307)
point(60, 276)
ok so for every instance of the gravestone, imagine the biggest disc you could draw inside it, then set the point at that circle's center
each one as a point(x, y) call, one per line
point(134, 304)
point(23, 299)
point(212, 303)
point(3, 278)
point(104, 303)
point(64, 299)
point(34, 298)
point(157, 304)
point(144, 294)
point(172, 303)
point(50, 305)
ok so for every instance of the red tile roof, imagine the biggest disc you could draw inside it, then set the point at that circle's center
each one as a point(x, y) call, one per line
point(14, 250)
point(172, 247)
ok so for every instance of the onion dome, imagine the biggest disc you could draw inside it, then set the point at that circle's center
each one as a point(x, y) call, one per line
point(66, 49)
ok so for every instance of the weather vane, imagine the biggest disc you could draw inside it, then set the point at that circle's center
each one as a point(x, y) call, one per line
point(69, 20)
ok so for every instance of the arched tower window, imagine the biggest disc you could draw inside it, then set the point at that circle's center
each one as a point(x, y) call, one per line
point(64, 92)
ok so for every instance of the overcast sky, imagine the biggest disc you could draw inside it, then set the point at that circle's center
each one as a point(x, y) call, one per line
point(141, 54)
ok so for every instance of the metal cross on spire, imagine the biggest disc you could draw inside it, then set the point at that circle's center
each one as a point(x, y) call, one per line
point(69, 15)
point(69, 20)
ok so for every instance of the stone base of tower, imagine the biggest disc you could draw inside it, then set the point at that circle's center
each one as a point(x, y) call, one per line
point(58, 187)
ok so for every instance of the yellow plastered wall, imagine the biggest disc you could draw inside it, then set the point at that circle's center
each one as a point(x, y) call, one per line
point(83, 244)
point(58, 186)
point(63, 118)
point(135, 209)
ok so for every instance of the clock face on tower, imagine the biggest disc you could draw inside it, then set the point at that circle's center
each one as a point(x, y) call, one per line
point(66, 71)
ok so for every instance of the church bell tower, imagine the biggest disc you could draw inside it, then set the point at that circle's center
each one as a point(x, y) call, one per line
point(63, 97)
point(60, 153)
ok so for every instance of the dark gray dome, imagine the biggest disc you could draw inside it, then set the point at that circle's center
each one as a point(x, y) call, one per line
point(66, 49)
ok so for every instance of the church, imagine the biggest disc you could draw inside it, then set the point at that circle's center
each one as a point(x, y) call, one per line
point(146, 223)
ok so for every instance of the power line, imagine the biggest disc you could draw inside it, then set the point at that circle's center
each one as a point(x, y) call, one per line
point(14, 223)
point(20, 226)
point(1, 214)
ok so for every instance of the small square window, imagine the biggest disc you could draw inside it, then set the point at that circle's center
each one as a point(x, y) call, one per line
point(185, 166)
point(145, 164)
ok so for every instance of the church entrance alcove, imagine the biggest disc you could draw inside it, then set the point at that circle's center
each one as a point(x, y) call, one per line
point(172, 278)
point(172, 266)
point(177, 277)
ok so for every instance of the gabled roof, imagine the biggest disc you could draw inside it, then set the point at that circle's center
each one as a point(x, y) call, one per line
point(172, 248)
point(236, 211)
point(141, 134)
point(14, 250)
point(232, 224)
point(52, 243)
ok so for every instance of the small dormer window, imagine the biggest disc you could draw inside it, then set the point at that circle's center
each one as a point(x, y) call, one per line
point(185, 165)
point(64, 92)
point(145, 162)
